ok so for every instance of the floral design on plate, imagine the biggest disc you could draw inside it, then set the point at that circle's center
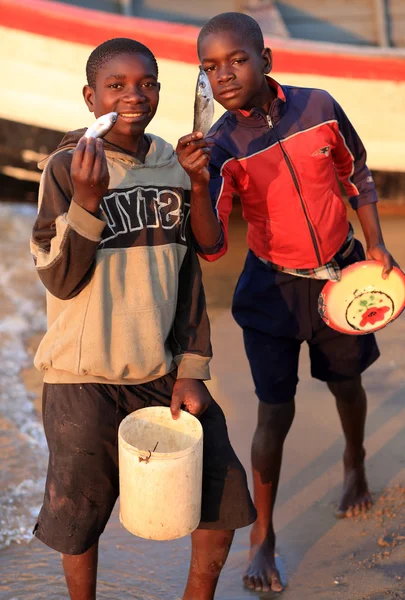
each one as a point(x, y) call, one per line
point(368, 309)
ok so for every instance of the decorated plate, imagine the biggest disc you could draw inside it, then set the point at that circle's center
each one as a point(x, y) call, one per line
point(362, 301)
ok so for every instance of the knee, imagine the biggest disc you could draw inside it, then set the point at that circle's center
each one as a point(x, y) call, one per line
point(348, 391)
point(274, 420)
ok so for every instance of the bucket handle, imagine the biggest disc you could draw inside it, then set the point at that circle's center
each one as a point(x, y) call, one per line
point(146, 460)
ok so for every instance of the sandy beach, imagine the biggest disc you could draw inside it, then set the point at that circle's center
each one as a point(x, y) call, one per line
point(320, 556)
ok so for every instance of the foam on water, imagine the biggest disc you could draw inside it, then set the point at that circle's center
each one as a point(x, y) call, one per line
point(23, 448)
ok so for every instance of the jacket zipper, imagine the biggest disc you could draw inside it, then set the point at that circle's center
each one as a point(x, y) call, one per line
point(297, 187)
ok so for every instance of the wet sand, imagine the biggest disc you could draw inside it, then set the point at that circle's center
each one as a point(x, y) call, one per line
point(357, 559)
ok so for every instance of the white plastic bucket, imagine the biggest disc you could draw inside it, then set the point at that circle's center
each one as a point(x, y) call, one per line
point(160, 490)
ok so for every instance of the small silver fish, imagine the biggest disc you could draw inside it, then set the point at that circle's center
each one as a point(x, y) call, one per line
point(203, 104)
point(102, 125)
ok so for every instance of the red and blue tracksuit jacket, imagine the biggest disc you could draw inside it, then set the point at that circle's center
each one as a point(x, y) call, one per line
point(284, 167)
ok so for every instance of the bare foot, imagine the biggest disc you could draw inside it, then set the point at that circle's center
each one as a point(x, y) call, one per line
point(262, 574)
point(356, 498)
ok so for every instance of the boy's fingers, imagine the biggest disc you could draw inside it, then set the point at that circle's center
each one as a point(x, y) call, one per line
point(388, 264)
point(186, 139)
point(175, 405)
point(78, 154)
point(196, 153)
point(194, 146)
point(89, 155)
point(99, 166)
point(199, 163)
point(201, 154)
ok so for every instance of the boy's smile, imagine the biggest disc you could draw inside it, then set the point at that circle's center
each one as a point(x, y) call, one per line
point(126, 84)
point(236, 71)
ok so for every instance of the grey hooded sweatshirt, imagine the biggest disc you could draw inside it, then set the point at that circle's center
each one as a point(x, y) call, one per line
point(125, 301)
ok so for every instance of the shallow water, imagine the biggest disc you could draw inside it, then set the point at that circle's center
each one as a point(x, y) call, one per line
point(23, 452)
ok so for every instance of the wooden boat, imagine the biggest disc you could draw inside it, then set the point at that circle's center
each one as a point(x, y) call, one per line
point(45, 45)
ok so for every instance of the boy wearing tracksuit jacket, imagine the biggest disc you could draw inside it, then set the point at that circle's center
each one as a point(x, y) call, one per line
point(279, 149)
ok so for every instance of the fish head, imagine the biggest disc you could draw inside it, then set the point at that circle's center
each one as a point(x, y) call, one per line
point(203, 88)
point(203, 104)
point(102, 125)
point(109, 118)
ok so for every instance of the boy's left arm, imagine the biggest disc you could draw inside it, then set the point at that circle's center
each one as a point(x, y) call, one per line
point(349, 158)
point(191, 340)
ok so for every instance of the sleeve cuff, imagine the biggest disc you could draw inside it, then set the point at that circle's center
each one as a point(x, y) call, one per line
point(208, 250)
point(85, 223)
point(359, 201)
point(192, 366)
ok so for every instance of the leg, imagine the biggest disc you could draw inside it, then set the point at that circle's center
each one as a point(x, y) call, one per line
point(210, 550)
point(82, 481)
point(274, 422)
point(226, 503)
point(339, 360)
point(351, 402)
point(274, 365)
point(81, 574)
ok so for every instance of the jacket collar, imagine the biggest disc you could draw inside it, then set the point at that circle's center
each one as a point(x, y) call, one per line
point(256, 116)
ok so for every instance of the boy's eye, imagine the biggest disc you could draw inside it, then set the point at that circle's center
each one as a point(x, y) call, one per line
point(150, 84)
point(209, 69)
point(239, 61)
point(115, 86)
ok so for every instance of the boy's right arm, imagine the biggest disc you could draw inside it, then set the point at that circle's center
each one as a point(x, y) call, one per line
point(67, 232)
point(209, 223)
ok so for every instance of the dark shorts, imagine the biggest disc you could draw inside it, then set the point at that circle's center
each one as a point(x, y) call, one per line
point(81, 424)
point(278, 312)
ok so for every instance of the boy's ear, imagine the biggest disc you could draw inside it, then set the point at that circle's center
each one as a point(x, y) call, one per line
point(268, 59)
point(88, 95)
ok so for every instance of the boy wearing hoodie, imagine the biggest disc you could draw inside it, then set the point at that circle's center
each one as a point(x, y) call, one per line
point(127, 322)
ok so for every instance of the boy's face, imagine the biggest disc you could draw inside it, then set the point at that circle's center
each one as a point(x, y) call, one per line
point(126, 84)
point(236, 70)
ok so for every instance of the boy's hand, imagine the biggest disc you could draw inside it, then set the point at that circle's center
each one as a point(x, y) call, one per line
point(194, 155)
point(192, 395)
point(380, 253)
point(89, 173)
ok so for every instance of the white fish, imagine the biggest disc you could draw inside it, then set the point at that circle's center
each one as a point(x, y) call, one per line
point(203, 104)
point(102, 125)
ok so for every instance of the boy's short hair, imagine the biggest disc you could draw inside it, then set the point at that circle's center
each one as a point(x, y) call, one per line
point(111, 48)
point(238, 23)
